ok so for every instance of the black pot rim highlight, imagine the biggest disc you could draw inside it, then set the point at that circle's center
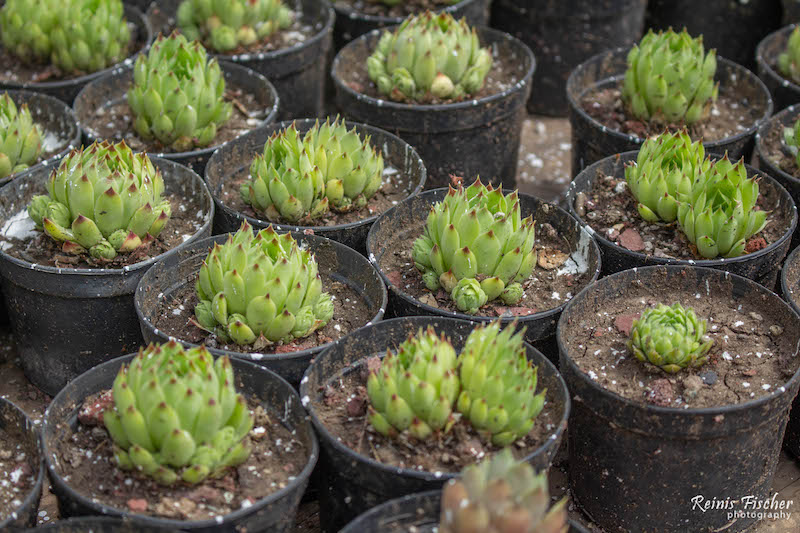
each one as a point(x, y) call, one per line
point(761, 134)
point(793, 257)
point(33, 494)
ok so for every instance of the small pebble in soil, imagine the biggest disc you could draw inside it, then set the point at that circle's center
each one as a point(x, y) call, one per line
point(709, 378)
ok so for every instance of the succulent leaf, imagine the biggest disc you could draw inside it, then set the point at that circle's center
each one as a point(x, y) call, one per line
point(789, 59)
point(20, 138)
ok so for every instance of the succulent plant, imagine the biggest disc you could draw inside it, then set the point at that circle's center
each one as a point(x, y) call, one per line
point(104, 199)
point(414, 389)
point(177, 415)
point(498, 384)
point(74, 35)
point(475, 234)
point(261, 285)
point(665, 169)
point(670, 78)
point(791, 137)
point(670, 337)
point(719, 214)
point(789, 59)
point(177, 96)
point(429, 53)
point(501, 495)
point(20, 138)
point(224, 25)
point(300, 177)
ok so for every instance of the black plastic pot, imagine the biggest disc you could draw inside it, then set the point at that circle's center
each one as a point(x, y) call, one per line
point(233, 160)
point(351, 23)
point(273, 514)
point(14, 421)
point(591, 141)
point(469, 138)
point(66, 320)
point(790, 285)
point(784, 91)
point(761, 266)
point(336, 261)
point(67, 90)
point(791, 11)
point(351, 483)
point(420, 511)
point(110, 90)
point(622, 452)
point(99, 524)
point(408, 218)
point(562, 35)
point(733, 27)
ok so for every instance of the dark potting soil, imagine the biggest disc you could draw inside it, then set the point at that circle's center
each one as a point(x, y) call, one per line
point(773, 146)
point(731, 114)
point(86, 461)
point(114, 122)
point(342, 409)
point(175, 317)
point(297, 33)
point(751, 356)
point(16, 475)
point(20, 239)
point(554, 281)
point(610, 210)
point(403, 9)
point(395, 189)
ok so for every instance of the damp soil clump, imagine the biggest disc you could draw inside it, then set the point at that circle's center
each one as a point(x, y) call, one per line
point(16, 475)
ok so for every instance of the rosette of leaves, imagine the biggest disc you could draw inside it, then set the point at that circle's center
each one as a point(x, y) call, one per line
point(789, 59)
point(791, 138)
point(20, 137)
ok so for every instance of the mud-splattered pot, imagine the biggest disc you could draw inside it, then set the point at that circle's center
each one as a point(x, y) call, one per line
point(66, 320)
point(626, 448)
point(790, 289)
point(21, 443)
point(785, 92)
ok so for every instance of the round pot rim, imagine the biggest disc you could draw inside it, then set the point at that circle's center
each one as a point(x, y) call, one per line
point(793, 257)
point(390, 105)
point(760, 148)
point(147, 263)
point(656, 409)
point(437, 311)
point(257, 357)
point(107, 510)
point(710, 145)
point(356, 14)
point(761, 58)
point(720, 261)
point(142, 22)
point(425, 475)
point(226, 66)
point(35, 491)
point(283, 226)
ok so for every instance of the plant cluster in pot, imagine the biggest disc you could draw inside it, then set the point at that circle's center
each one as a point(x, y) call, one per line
point(455, 92)
point(76, 239)
point(479, 253)
point(351, 173)
point(674, 365)
point(790, 285)
point(672, 203)
point(410, 420)
point(275, 300)
point(176, 102)
point(171, 437)
point(56, 47)
point(778, 58)
point(620, 97)
point(21, 468)
point(564, 34)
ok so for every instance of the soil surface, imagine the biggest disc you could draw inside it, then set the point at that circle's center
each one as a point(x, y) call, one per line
point(751, 356)
point(175, 317)
point(403, 9)
point(38, 248)
point(342, 409)
point(610, 210)
point(774, 150)
point(16, 475)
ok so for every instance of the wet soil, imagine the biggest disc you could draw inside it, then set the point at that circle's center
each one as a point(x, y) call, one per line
point(773, 148)
point(16, 475)
point(403, 9)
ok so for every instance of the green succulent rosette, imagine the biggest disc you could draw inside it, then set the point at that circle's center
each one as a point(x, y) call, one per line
point(791, 138)
point(665, 169)
point(498, 384)
point(103, 199)
point(429, 54)
point(789, 59)
point(670, 78)
point(74, 35)
point(261, 285)
point(299, 177)
point(225, 25)
point(477, 247)
point(670, 337)
point(177, 96)
point(414, 388)
point(20, 137)
point(177, 416)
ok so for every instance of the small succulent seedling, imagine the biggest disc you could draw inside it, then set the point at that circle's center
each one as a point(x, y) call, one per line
point(791, 137)
point(20, 137)
point(789, 59)
point(670, 337)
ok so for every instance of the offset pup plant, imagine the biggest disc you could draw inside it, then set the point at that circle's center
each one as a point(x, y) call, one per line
point(791, 137)
point(177, 416)
point(429, 55)
point(74, 35)
point(20, 138)
point(103, 199)
point(177, 95)
point(224, 25)
point(789, 60)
